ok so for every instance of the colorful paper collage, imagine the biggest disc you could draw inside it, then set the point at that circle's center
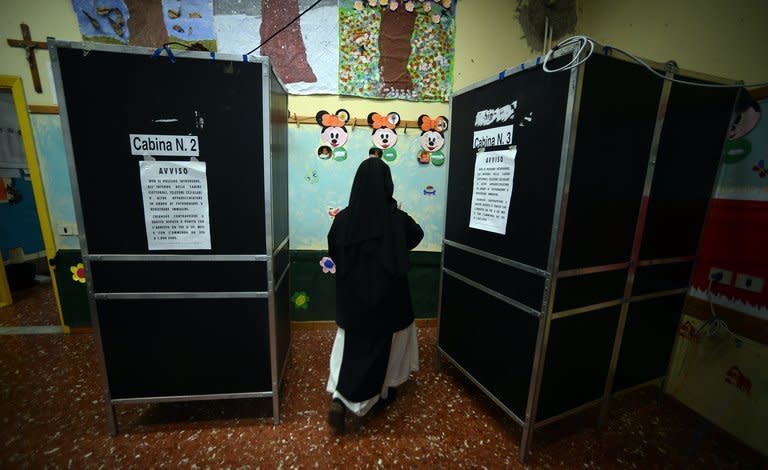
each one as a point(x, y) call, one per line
point(397, 50)
point(305, 55)
point(372, 49)
point(150, 23)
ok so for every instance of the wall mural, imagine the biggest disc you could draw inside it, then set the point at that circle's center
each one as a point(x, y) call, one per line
point(319, 186)
point(399, 50)
point(737, 225)
point(372, 48)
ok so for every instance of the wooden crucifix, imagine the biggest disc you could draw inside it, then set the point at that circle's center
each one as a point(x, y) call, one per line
point(29, 46)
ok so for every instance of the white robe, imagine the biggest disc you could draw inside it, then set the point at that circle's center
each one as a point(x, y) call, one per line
point(403, 359)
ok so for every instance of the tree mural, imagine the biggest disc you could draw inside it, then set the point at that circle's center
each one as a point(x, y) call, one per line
point(394, 49)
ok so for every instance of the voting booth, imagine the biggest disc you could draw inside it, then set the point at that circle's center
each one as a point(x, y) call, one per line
point(575, 205)
point(179, 169)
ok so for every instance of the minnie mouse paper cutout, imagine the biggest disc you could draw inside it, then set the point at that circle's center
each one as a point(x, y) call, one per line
point(384, 135)
point(334, 134)
point(432, 139)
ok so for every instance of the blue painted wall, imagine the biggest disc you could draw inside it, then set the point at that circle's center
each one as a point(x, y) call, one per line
point(316, 185)
point(52, 157)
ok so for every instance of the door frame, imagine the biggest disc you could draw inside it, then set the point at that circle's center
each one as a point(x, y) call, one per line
point(14, 84)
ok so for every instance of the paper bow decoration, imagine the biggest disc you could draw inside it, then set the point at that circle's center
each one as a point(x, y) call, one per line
point(377, 121)
point(331, 120)
point(439, 124)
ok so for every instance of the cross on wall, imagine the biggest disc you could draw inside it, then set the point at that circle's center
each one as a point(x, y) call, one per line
point(29, 47)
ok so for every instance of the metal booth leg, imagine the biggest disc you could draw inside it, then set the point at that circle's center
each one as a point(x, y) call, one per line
point(111, 420)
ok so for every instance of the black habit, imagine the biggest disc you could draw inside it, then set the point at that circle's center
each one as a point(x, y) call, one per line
point(369, 241)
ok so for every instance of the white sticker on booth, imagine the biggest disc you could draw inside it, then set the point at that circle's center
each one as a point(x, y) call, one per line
point(492, 190)
point(493, 137)
point(175, 198)
point(164, 145)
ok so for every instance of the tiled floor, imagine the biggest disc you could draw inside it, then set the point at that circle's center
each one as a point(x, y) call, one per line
point(33, 306)
point(52, 415)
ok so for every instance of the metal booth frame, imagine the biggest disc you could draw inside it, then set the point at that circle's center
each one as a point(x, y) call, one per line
point(274, 280)
point(552, 274)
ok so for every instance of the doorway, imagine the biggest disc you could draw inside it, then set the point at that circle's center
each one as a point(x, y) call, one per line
point(28, 294)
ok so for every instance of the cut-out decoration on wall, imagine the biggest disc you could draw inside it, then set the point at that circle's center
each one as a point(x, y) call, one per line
point(384, 135)
point(328, 265)
point(3, 190)
point(12, 193)
point(735, 377)
point(332, 211)
point(78, 273)
point(397, 49)
point(305, 54)
point(105, 22)
point(312, 177)
point(300, 300)
point(688, 331)
point(736, 150)
point(432, 139)
point(149, 23)
point(334, 134)
point(430, 190)
point(760, 168)
point(747, 116)
point(324, 152)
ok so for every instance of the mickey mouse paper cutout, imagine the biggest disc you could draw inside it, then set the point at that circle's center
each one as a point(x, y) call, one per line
point(334, 134)
point(384, 135)
point(432, 139)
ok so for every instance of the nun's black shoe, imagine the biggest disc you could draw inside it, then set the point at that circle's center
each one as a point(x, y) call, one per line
point(336, 416)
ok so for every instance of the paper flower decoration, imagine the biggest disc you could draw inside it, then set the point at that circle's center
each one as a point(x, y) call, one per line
point(427, 7)
point(328, 265)
point(300, 300)
point(359, 5)
point(760, 168)
point(78, 273)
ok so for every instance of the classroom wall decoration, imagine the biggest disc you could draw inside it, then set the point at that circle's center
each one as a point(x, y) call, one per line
point(735, 231)
point(723, 379)
point(305, 55)
point(373, 49)
point(432, 139)
point(397, 50)
point(333, 134)
point(147, 22)
point(384, 135)
point(312, 207)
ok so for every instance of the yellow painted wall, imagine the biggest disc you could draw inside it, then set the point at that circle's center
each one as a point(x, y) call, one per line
point(44, 18)
point(720, 37)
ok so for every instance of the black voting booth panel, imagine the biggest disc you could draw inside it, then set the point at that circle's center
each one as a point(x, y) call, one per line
point(581, 298)
point(181, 324)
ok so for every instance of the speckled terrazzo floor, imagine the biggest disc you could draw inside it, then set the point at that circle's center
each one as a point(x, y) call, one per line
point(33, 306)
point(52, 415)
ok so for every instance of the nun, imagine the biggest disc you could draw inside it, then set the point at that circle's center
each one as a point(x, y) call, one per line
point(375, 348)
